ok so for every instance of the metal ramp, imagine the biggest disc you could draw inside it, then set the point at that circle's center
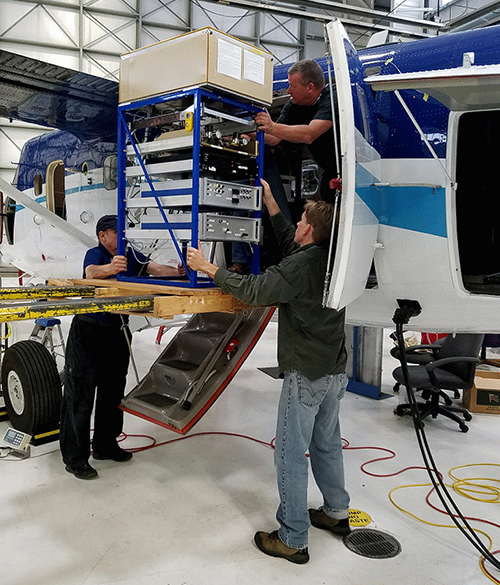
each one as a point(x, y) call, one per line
point(195, 367)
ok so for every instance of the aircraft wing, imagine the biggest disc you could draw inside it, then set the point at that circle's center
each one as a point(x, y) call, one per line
point(459, 89)
point(57, 97)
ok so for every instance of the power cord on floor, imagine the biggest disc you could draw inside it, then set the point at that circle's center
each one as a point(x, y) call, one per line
point(154, 443)
point(406, 310)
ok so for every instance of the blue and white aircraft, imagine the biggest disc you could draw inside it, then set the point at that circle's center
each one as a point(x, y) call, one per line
point(419, 137)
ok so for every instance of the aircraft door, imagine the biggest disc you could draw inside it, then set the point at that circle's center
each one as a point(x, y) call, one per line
point(360, 167)
point(55, 188)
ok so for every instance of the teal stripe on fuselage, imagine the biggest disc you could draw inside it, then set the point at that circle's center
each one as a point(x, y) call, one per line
point(411, 207)
point(85, 188)
point(43, 198)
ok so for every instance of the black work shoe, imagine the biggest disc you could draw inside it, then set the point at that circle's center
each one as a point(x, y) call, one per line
point(270, 544)
point(320, 519)
point(82, 470)
point(116, 454)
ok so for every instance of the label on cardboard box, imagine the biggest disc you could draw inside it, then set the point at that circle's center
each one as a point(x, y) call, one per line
point(488, 397)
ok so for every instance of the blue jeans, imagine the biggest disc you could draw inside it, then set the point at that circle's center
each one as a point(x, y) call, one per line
point(308, 418)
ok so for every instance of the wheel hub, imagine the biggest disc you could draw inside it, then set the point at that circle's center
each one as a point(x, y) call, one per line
point(16, 394)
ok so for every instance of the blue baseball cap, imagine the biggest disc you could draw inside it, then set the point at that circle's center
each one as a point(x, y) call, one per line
point(106, 222)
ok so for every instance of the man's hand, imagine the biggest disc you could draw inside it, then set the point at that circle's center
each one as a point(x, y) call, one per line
point(268, 198)
point(264, 122)
point(197, 261)
point(118, 264)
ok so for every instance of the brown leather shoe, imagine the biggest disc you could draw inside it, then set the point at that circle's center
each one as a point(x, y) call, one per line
point(270, 544)
point(320, 519)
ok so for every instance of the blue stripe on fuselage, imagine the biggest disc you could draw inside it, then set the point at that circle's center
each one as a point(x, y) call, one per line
point(412, 207)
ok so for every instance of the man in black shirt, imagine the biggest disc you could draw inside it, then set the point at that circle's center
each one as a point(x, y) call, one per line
point(306, 119)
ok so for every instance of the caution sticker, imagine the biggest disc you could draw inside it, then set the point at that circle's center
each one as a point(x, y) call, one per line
point(359, 518)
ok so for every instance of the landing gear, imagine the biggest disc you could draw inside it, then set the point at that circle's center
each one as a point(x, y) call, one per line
point(31, 388)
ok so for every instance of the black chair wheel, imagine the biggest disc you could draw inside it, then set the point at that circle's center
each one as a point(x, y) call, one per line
point(467, 416)
point(463, 427)
point(401, 410)
point(447, 400)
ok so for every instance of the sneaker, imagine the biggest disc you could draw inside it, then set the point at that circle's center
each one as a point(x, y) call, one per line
point(82, 470)
point(270, 544)
point(320, 519)
point(116, 454)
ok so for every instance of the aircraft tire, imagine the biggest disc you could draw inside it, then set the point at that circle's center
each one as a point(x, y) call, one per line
point(31, 387)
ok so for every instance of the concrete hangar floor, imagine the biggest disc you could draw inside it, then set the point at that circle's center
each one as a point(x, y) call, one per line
point(184, 512)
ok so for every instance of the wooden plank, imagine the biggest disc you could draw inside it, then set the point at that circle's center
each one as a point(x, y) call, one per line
point(145, 288)
point(168, 307)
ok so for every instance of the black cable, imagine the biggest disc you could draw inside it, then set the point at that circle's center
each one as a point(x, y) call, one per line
point(427, 456)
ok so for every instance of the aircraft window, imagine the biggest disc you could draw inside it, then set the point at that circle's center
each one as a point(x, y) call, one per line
point(372, 281)
point(2, 217)
point(55, 188)
point(85, 168)
point(9, 215)
point(110, 172)
point(363, 106)
point(478, 223)
point(38, 185)
point(373, 70)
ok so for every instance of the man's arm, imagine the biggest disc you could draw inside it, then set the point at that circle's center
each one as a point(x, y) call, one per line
point(277, 284)
point(195, 258)
point(156, 269)
point(268, 199)
point(299, 133)
point(117, 264)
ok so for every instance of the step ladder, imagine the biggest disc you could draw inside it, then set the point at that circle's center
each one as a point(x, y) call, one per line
point(43, 332)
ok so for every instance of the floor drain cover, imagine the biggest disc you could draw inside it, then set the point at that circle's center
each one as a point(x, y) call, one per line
point(372, 543)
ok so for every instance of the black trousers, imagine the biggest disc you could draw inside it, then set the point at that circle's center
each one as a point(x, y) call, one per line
point(97, 358)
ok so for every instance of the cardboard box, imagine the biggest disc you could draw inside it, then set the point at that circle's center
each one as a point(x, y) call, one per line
point(484, 396)
point(205, 57)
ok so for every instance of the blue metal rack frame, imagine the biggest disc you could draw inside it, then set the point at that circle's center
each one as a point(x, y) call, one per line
point(124, 134)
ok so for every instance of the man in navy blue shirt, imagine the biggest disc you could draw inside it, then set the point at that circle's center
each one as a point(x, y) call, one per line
point(97, 359)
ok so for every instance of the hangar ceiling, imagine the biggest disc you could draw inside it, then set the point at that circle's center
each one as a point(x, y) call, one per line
point(90, 35)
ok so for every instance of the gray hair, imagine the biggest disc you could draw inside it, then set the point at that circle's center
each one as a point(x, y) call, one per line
point(309, 71)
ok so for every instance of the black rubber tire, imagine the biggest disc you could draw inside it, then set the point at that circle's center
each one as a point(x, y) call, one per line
point(31, 371)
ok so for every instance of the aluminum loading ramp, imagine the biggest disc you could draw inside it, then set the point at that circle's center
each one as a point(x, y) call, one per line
point(195, 367)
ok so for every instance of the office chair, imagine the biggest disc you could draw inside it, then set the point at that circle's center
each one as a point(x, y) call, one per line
point(418, 354)
point(453, 370)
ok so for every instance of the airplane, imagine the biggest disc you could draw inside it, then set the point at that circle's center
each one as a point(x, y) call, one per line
point(414, 223)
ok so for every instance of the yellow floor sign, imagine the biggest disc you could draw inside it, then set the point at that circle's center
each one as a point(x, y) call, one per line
point(358, 518)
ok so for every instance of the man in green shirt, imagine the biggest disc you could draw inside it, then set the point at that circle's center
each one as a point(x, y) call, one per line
point(312, 359)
